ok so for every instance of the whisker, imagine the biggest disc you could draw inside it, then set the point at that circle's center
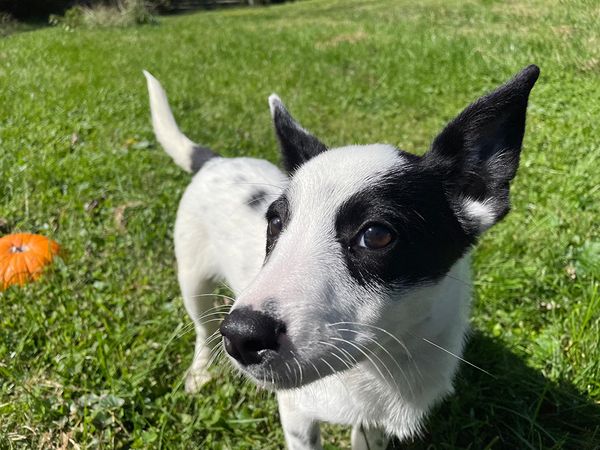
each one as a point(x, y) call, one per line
point(288, 370)
point(333, 371)
point(387, 352)
point(337, 375)
point(379, 329)
point(221, 309)
point(316, 370)
point(213, 337)
point(366, 356)
point(335, 347)
point(466, 283)
point(227, 286)
point(241, 183)
point(209, 314)
point(356, 345)
point(227, 297)
point(255, 200)
point(218, 353)
point(395, 338)
point(213, 350)
point(458, 357)
point(188, 329)
point(424, 339)
point(342, 360)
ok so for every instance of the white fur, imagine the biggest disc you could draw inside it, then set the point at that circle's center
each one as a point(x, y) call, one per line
point(208, 222)
point(304, 273)
point(331, 319)
point(175, 143)
point(481, 213)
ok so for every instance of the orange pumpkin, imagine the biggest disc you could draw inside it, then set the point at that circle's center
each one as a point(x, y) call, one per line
point(23, 257)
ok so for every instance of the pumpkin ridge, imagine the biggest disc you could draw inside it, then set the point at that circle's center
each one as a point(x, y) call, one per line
point(4, 256)
point(33, 262)
point(11, 276)
point(45, 257)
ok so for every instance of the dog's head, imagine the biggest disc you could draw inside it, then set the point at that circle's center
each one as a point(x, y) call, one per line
point(359, 229)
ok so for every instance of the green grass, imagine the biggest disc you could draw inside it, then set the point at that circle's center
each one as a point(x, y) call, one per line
point(91, 355)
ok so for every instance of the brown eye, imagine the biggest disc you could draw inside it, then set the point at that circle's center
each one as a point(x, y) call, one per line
point(375, 237)
point(274, 227)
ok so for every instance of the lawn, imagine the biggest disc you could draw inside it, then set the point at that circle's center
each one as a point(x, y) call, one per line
point(93, 355)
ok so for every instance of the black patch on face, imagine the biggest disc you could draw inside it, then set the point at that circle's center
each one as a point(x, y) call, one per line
point(257, 200)
point(279, 208)
point(428, 238)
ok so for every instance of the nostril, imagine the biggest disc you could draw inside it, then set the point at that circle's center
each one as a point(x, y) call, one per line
point(266, 343)
point(247, 334)
point(254, 345)
point(230, 348)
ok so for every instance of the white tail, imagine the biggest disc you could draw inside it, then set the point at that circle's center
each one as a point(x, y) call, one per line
point(186, 154)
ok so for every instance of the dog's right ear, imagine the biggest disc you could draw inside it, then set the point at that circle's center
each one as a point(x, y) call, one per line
point(478, 152)
point(297, 145)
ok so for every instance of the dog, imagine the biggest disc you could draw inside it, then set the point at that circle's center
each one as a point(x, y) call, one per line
point(350, 268)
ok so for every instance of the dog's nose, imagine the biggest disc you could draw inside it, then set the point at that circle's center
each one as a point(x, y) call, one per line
point(247, 333)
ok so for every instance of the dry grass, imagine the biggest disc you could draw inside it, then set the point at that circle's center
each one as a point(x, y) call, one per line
point(123, 13)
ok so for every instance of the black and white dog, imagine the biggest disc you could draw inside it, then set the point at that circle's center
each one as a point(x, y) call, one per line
point(350, 270)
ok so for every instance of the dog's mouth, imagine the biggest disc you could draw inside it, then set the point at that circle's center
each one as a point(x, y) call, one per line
point(285, 369)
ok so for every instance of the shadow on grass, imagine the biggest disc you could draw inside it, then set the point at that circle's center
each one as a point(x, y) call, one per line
point(518, 409)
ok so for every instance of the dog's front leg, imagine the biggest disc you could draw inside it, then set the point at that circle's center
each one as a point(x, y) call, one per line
point(301, 432)
point(368, 439)
point(198, 303)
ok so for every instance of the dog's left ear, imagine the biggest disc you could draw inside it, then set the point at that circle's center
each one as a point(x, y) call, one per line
point(478, 152)
point(297, 145)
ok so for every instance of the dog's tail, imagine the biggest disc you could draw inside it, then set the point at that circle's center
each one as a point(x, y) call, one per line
point(186, 154)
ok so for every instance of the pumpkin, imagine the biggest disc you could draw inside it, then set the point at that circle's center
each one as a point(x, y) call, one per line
point(23, 257)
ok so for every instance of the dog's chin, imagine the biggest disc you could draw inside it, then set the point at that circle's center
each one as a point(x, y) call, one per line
point(276, 374)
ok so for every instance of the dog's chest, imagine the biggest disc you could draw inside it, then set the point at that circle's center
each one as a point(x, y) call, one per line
point(358, 396)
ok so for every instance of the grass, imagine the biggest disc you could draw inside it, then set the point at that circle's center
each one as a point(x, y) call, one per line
point(92, 357)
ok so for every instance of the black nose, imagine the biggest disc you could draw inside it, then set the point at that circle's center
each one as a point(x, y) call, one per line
point(246, 333)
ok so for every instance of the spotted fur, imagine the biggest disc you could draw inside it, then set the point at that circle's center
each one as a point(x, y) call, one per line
point(342, 332)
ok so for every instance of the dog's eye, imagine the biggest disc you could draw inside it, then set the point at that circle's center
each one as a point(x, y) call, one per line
point(375, 237)
point(274, 227)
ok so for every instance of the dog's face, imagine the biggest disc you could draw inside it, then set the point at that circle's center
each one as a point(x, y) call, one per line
point(362, 232)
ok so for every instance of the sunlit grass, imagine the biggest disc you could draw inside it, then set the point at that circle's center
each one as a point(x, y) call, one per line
point(91, 353)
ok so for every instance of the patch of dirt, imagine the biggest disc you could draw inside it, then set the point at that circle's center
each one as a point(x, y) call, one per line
point(120, 210)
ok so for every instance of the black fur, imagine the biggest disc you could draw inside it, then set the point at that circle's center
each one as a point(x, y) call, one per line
point(428, 238)
point(296, 144)
point(478, 152)
point(475, 156)
point(200, 155)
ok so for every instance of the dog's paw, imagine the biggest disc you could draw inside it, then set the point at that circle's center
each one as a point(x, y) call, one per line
point(195, 379)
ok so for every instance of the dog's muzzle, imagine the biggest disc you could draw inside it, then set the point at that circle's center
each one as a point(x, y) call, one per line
point(249, 335)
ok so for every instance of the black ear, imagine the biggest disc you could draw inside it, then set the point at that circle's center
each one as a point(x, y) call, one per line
point(478, 152)
point(297, 145)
